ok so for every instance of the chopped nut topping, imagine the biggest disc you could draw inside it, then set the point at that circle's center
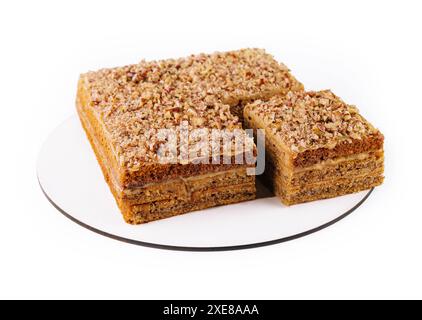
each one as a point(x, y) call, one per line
point(312, 120)
point(133, 100)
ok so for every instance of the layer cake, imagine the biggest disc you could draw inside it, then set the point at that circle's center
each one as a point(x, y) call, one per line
point(317, 146)
point(124, 111)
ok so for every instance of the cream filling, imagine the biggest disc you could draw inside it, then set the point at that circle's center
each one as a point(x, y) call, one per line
point(280, 174)
point(334, 162)
point(283, 181)
point(187, 182)
point(326, 163)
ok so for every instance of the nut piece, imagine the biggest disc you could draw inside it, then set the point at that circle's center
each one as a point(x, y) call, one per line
point(198, 121)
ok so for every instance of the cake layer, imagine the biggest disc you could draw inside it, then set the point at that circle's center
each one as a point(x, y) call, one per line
point(294, 184)
point(182, 188)
point(346, 168)
point(289, 188)
point(134, 216)
point(329, 190)
point(198, 196)
point(310, 157)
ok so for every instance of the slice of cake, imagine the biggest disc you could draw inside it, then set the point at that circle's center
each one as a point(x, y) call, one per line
point(317, 146)
point(145, 124)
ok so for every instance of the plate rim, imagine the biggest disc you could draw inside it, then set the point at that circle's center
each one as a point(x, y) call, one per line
point(204, 249)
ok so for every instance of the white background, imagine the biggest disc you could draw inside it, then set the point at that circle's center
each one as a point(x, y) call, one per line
point(368, 52)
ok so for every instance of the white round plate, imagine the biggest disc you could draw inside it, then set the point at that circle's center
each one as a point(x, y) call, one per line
point(71, 179)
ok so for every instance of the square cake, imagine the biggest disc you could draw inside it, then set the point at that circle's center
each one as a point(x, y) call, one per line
point(317, 146)
point(131, 114)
